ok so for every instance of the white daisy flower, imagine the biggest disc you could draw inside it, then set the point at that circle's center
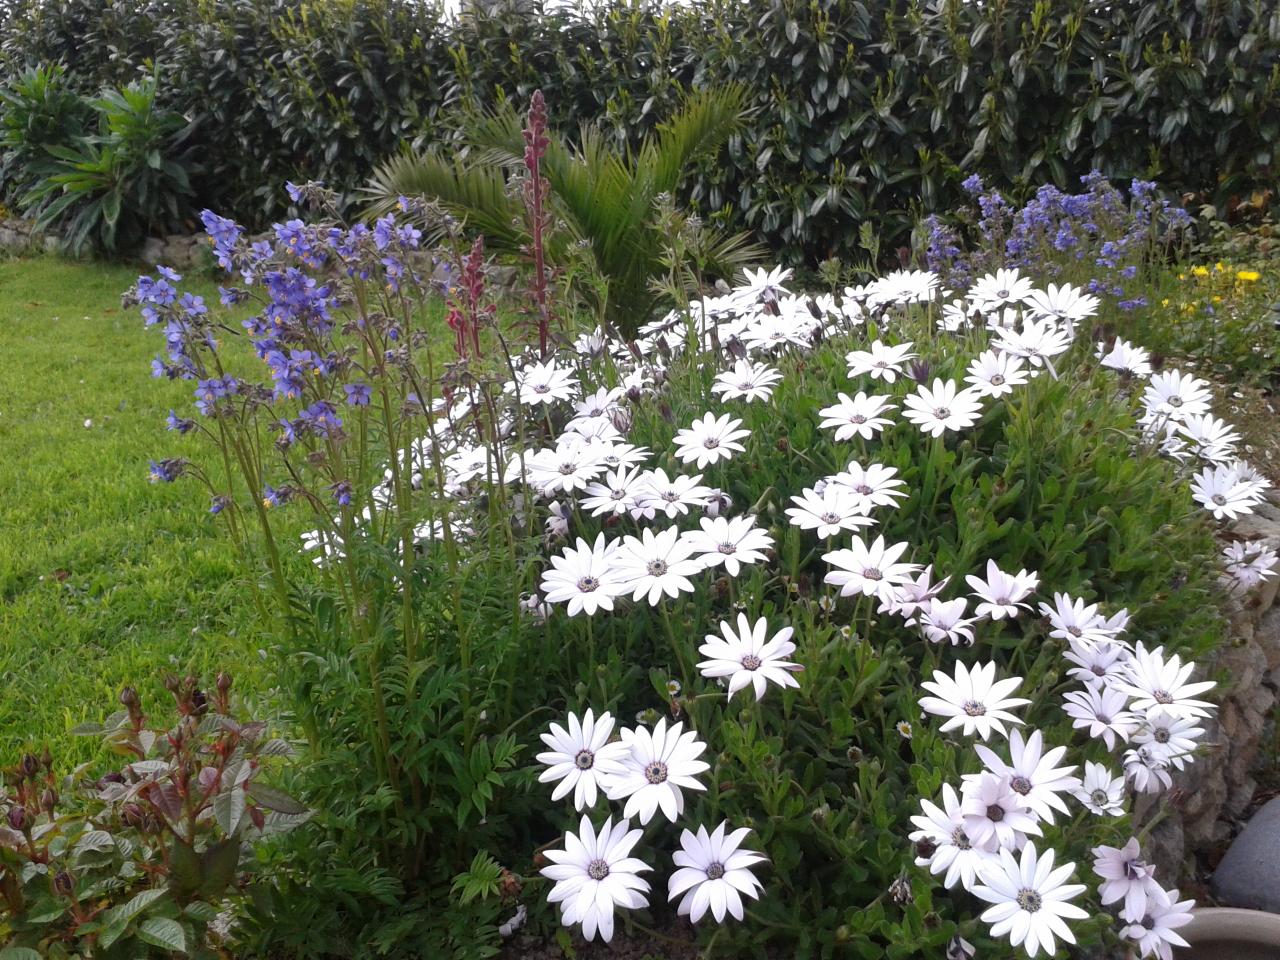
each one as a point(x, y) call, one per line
point(973, 700)
point(564, 469)
point(763, 285)
point(1125, 358)
point(710, 440)
point(1210, 438)
point(1102, 712)
point(1038, 342)
point(658, 766)
point(656, 564)
point(1097, 663)
point(595, 873)
point(1072, 619)
point(1169, 737)
point(747, 381)
point(730, 542)
point(1100, 792)
point(747, 659)
point(829, 512)
point(1029, 899)
point(1248, 564)
point(1221, 491)
point(875, 486)
point(913, 596)
point(584, 578)
point(1147, 773)
point(1032, 773)
point(1066, 304)
point(1173, 395)
point(870, 569)
point(995, 290)
point(994, 814)
point(1002, 593)
point(613, 495)
point(1155, 932)
point(713, 873)
point(1125, 877)
point(993, 374)
point(856, 417)
point(615, 456)
point(942, 407)
point(882, 361)
point(953, 851)
point(670, 496)
point(581, 758)
point(1154, 681)
point(944, 621)
point(545, 383)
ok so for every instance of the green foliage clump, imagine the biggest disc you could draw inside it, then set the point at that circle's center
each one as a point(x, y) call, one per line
point(860, 111)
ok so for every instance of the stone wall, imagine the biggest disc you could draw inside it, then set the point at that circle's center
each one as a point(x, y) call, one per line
point(1209, 798)
point(19, 236)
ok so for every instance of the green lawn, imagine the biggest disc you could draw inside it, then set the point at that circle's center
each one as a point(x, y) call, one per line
point(105, 578)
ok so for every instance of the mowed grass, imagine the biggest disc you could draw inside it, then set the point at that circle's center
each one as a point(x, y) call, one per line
point(105, 578)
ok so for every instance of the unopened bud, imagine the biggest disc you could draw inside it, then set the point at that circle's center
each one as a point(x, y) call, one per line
point(17, 817)
point(30, 765)
point(49, 800)
point(64, 883)
point(134, 815)
point(224, 682)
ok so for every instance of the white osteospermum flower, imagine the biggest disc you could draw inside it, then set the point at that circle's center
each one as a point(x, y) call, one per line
point(747, 381)
point(1174, 395)
point(874, 486)
point(1169, 737)
point(882, 361)
point(763, 285)
point(1030, 900)
point(995, 290)
point(1038, 342)
point(1100, 792)
point(942, 407)
point(730, 542)
point(710, 439)
point(1147, 773)
point(545, 383)
point(614, 494)
point(1125, 358)
point(829, 512)
point(994, 813)
point(912, 597)
point(659, 764)
point(993, 374)
point(747, 659)
point(1155, 932)
point(941, 621)
point(581, 757)
point(1002, 593)
point(655, 564)
point(1125, 877)
point(1221, 491)
point(1072, 619)
point(595, 873)
point(859, 416)
point(1211, 438)
point(1032, 773)
point(713, 873)
point(870, 569)
point(973, 700)
point(1102, 712)
point(583, 577)
point(1097, 663)
point(953, 850)
point(1156, 682)
point(1248, 564)
point(1066, 304)
point(670, 496)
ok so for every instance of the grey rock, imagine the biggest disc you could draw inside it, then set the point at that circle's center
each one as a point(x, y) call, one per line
point(153, 251)
point(1249, 875)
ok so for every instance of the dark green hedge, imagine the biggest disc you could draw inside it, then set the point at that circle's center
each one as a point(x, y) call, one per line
point(864, 110)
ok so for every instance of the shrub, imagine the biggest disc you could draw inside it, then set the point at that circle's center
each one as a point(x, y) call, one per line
point(861, 111)
point(139, 862)
point(112, 189)
point(457, 500)
point(40, 112)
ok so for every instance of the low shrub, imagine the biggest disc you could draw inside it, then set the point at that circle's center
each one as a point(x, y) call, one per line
point(514, 545)
point(140, 861)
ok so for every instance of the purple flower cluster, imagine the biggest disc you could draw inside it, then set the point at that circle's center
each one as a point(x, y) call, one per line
point(1098, 229)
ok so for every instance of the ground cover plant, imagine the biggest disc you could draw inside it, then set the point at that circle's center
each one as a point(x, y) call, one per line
point(105, 578)
point(891, 604)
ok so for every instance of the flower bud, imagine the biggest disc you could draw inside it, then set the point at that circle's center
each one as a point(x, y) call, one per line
point(133, 815)
point(30, 765)
point(49, 800)
point(224, 682)
point(17, 817)
point(64, 883)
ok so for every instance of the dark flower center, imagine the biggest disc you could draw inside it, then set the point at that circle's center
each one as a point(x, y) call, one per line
point(1028, 900)
point(750, 662)
point(1020, 785)
point(584, 760)
point(711, 443)
point(597, 869)
point(974, 709)
point(830, 517)
point(728, 548)
point(997, 380)
point(656, 772)
point(941, 412)
point(1219, 499)
point(588, 584)
point(995, 813)
point(863, 489)
point(857, 418)
point(715, 871)
point(1075, 631)
point(1160, 696)
point(1175, 401)
point(1100, 797)
point(1161, 734)
point(960, 840)
point(872, 573)
point(657, 568)
point(541, 388)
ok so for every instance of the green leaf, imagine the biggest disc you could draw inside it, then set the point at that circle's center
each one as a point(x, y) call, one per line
point(19, 953)
point(127, 911)
point(184, 869)
point(162, 932)
point(218, 867)
point(273, 799)
point(228, 808)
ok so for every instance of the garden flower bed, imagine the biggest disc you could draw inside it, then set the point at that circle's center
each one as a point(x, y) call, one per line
point(846, 622)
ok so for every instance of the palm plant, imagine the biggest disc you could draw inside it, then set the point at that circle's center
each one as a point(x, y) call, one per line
point(606, 198)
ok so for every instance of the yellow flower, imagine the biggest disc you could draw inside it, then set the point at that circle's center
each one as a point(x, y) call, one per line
point(1164, 302)
point(1219, 266)
point(1200, 271)
point(1248, 276)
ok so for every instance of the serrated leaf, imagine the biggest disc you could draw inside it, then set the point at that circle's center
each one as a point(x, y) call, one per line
point(127, 911)
point(273, 799)
point(163, 932)
point(95, 840)
point(228, 808)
